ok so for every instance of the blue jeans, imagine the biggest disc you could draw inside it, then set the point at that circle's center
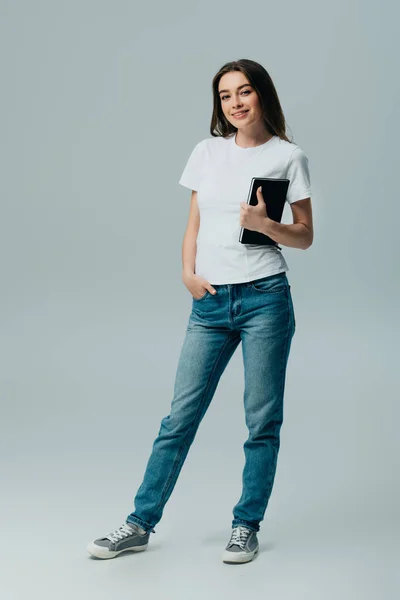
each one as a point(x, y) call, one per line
point(260, 315)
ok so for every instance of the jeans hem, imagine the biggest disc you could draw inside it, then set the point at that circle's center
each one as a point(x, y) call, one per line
point(237, 522)
point(142, 524)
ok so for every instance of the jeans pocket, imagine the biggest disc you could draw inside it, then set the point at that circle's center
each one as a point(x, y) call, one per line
point(201, 297)
point(273, 284)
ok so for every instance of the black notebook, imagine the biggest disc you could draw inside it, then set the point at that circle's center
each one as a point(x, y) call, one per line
point(274, 193)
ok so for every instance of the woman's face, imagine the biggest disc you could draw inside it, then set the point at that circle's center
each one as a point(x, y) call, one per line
point(237, 94)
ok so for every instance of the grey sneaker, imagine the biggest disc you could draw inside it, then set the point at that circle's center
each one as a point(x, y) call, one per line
point(129, 537)
point(242, 547)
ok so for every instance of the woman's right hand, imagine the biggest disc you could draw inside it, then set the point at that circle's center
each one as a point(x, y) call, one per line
point(196, 285)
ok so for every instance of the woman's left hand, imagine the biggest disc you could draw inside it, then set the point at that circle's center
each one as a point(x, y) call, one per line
point(254, 217)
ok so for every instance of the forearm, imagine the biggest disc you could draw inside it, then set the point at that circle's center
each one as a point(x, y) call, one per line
point(294, 235)
point(189, 251)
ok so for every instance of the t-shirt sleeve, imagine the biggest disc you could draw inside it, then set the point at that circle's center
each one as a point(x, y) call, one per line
point(192, 173)
point(299, 175)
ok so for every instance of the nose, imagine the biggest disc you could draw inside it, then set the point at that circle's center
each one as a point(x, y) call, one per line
point(237, 104)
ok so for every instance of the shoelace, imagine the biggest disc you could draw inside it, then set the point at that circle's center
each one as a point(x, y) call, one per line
point(120, 533)
point(239, 536)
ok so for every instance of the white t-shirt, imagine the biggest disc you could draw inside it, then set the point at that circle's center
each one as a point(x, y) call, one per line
point(221, 171)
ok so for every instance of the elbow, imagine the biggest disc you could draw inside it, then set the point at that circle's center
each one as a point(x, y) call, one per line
point(309, 238)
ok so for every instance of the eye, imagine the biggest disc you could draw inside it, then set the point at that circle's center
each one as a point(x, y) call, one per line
point(243, 92)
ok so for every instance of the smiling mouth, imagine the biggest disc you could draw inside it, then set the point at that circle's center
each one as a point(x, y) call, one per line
point(240, 114)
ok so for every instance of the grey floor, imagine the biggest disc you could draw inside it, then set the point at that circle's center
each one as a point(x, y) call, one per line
point(74, 451)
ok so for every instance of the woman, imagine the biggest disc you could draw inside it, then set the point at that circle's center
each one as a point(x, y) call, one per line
point(240, 293)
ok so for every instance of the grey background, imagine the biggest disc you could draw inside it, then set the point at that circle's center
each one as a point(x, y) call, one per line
point(101, 104)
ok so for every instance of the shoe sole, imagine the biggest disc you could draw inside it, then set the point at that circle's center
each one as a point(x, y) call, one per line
point(234, 558)
point(101, 552)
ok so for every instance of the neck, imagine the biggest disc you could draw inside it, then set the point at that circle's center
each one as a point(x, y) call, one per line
point(250, 139)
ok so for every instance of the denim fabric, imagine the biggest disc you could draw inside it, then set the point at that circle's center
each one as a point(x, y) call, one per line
point(259, 314)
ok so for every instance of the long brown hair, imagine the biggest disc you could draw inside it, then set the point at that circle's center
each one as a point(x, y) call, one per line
point(262, 83)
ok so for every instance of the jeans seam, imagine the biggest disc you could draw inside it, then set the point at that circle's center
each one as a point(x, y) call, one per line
point(181, 448)
point(270, 478)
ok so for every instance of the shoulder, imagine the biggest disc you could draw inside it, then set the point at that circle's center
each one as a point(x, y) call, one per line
point(291, 151)
point(211, 147)
point(213, 142)
point(289, 147)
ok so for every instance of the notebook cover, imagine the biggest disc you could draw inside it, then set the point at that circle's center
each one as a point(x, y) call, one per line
point(274, 193)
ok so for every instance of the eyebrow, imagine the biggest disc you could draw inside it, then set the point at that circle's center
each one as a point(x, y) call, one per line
point(240, 86)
